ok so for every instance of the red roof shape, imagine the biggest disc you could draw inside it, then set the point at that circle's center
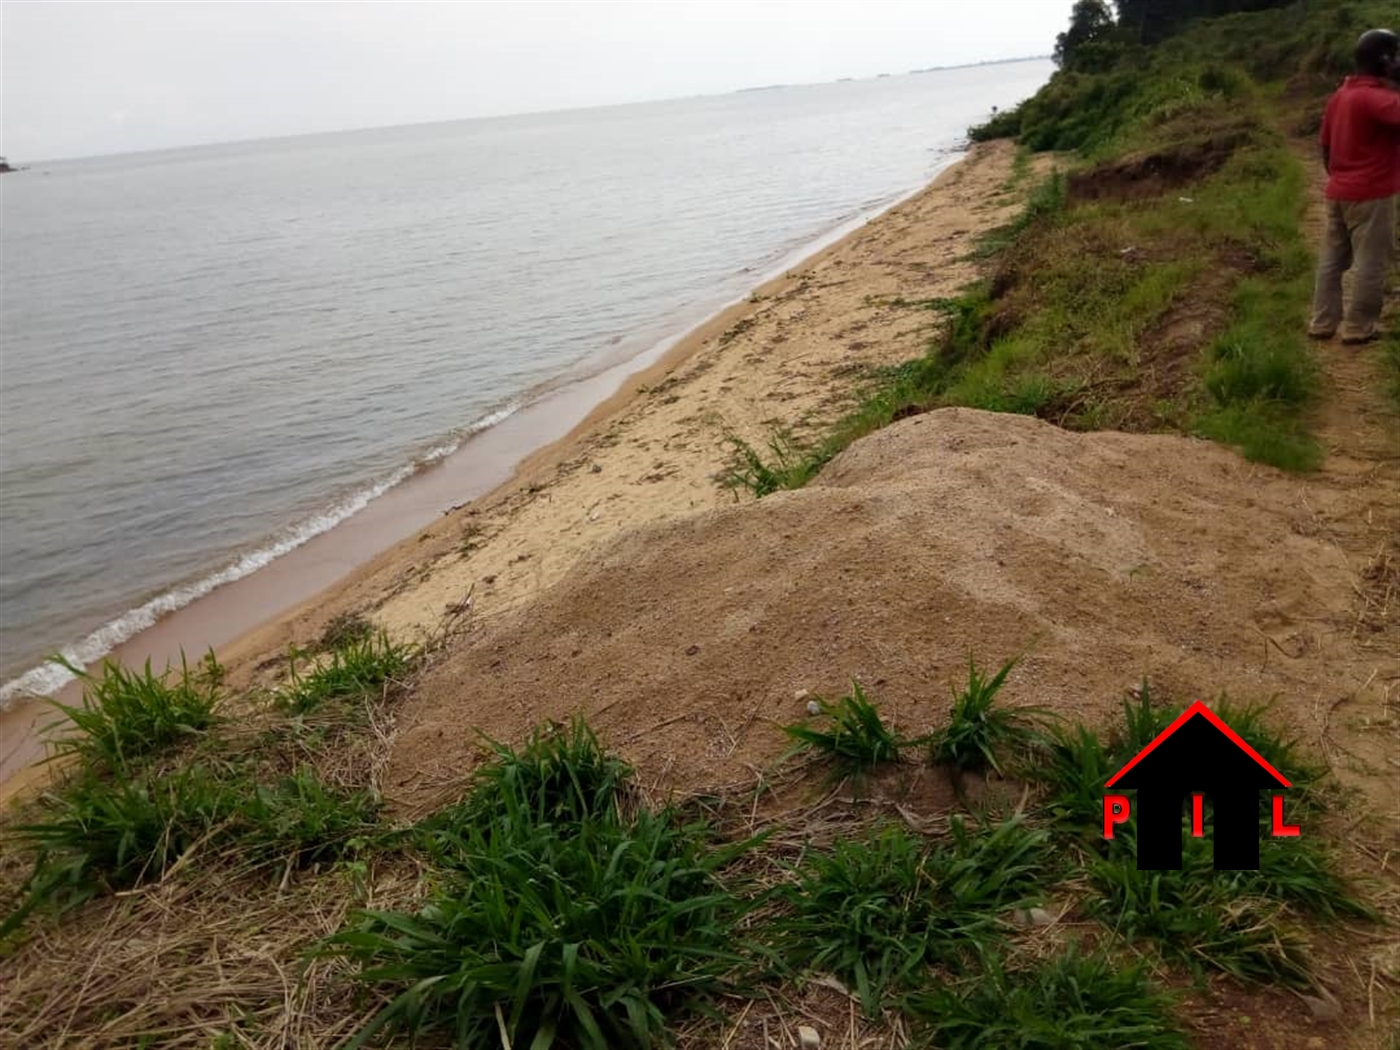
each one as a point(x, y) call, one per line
point(1199, 708)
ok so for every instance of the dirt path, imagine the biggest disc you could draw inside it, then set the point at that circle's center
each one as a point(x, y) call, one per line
point(1360, 429)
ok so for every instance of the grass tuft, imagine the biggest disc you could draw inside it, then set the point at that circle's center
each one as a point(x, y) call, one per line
point(561, 922)
point(978, 730)
point(879, 912)
point(126, 715)
point(791, 465)
point(96, 836)
point(561, 777)
point(1204, 919)
point(857, 738)
point(302, 820)
point(1071, 1001)
point(1243, 923)
point(359, 667)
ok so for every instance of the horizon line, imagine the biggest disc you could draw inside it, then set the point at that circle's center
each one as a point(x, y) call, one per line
point(30, 164)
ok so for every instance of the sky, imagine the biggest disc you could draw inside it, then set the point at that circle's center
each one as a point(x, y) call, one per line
point(79, 79)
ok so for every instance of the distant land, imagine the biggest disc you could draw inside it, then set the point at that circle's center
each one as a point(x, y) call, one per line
point(987, 62)
point(877, 76)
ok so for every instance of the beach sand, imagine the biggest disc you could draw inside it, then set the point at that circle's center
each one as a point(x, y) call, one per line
point(796, 355)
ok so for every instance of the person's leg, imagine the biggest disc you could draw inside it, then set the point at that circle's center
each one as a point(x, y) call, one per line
point(1334, 261)
point(1373, 236)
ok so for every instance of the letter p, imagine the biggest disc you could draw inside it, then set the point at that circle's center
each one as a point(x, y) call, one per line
point(1115, 811)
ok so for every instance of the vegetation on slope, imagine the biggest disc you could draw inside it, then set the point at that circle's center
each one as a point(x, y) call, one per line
point(554, 904)
point(1161, 280)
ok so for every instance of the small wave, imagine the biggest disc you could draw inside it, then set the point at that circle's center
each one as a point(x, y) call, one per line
point(440, 452)
point(48, 678)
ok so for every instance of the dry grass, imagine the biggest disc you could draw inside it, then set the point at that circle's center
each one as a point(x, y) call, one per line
point(216, 953)
point(189, 962)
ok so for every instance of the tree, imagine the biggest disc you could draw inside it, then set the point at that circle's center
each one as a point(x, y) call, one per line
point(1089, 21)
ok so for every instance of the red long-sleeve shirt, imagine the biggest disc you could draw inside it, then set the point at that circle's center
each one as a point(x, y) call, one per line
point(1361, 133)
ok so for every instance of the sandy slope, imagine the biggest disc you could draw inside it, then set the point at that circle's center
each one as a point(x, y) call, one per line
point(1102, 557)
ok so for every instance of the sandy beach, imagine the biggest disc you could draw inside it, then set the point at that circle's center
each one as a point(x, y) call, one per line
point(794, 355)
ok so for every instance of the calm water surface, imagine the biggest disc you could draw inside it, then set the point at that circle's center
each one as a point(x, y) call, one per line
point(209, 355)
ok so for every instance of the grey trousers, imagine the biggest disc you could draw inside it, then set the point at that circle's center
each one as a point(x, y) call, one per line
point(1360, 237)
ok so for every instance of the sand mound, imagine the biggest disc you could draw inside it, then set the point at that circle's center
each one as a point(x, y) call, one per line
point(1103, 557)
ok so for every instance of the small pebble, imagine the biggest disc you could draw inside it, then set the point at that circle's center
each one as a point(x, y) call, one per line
point(813, 708)
point(1323, 1009)
point(1032, 917)
point(807, 1037)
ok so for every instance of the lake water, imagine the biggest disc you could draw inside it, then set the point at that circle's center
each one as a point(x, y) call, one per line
point(209, 355)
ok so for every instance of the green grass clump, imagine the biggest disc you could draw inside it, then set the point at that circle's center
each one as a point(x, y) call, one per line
point(978, 730)
point(561, 922)
point(1390, 360)
point(879, 912)
point(301, 820)
point(1074, 763)
point(857, 738)
point(1074, 768)
point(94, 836)
point(788, 464)
point(1072, 1001)
point(116, 835)
point(1243, 923)
point(360, 666)
point(126, 714)
point(562, 776)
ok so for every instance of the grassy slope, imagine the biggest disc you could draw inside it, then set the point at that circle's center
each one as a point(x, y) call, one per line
point(555, 905)
point(1124, 299)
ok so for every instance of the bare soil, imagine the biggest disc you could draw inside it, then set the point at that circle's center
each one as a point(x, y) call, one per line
point(1143, 175)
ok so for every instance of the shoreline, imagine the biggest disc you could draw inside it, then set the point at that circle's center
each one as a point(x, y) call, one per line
point(357, 562)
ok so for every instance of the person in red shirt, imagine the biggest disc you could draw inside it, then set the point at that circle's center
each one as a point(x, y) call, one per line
point(1361, 151)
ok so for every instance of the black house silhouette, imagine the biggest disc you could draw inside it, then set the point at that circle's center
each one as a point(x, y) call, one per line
point(1198, 753)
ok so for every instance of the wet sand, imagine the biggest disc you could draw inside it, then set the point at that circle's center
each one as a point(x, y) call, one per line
point(500, 522)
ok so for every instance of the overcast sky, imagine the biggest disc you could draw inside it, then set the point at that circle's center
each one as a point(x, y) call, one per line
point(88, 78)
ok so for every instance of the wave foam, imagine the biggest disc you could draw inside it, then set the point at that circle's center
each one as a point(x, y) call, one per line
point(49, 677)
